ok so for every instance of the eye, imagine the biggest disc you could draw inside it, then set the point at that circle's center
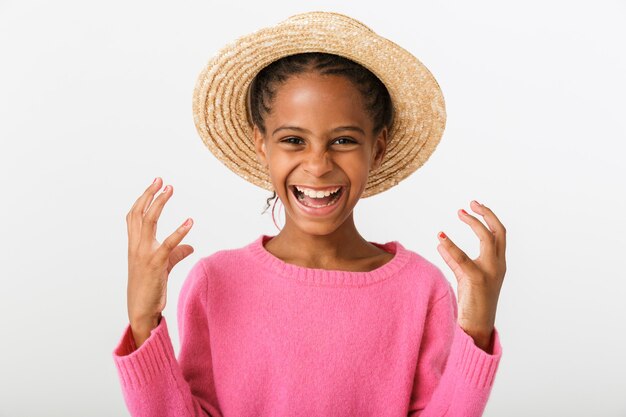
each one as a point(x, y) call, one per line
point(292, 140)
point(348, 141)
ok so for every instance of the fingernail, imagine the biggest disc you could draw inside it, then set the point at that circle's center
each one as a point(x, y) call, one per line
point(442, 235)
point(186, 225)
point(155, 180)
point(463, 211)
point(477, 203)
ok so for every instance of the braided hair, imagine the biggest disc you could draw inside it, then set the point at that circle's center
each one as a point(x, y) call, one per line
point(265, 84)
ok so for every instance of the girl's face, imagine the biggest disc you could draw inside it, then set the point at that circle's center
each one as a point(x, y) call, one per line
point(319, 136)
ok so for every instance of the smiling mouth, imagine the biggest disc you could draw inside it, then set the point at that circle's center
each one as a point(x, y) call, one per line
point(315, 202)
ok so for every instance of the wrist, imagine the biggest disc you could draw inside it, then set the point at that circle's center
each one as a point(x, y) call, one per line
point(145, 324)
point(141, 330)
point(483, 338)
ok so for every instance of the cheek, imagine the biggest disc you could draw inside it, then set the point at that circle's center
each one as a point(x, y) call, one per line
point(355, 165)
point(280, 166)
point(356, 169)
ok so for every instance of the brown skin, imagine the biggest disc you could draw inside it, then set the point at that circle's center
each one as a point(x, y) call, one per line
point(479, 280)
point(149, 262)
point(320, 157)
point(317, 157)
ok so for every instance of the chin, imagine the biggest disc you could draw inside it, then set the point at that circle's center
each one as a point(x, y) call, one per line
point(315, 228)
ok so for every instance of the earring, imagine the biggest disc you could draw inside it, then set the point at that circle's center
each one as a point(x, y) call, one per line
point(273, 207)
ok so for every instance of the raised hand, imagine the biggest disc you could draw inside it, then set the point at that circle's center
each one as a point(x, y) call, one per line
point(479, 280)
point(149, 262)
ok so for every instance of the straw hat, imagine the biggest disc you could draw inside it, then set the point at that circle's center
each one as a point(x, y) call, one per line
point(220, 98)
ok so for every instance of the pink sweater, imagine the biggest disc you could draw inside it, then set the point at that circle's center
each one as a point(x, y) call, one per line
point(261, 337)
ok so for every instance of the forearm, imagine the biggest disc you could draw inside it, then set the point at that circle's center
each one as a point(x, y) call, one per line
point(466, 383)
point(152, 379)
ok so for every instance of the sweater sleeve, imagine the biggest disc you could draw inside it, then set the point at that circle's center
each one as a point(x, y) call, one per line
point(154, 383)
point(453, 377)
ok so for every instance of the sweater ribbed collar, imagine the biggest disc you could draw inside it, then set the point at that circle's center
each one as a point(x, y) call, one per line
point(326, 277)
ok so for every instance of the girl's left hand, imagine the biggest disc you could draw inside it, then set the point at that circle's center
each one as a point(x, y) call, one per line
point(479, 280)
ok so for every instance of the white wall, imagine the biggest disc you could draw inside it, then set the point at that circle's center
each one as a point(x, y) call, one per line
point(95, 101)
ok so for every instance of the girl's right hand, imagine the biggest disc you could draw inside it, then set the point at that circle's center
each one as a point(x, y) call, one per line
point(149, 262)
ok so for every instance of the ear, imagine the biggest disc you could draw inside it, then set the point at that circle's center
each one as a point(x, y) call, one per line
point(259, 146)
point(380, 146)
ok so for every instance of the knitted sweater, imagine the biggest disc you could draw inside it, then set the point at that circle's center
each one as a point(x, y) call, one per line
point(261, 337)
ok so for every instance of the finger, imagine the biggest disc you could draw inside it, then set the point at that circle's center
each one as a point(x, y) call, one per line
point(454, 266)
point(487, 240)
point(134, 218)
point(177, 254)
point(151, 218)
point(456, 259)
point(497, 228)
point(163, 252)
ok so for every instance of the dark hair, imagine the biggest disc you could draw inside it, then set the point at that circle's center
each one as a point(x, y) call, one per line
point(265, 84)
point(267, 202)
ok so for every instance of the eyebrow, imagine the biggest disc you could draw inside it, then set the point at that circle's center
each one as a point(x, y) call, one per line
point(300, 129)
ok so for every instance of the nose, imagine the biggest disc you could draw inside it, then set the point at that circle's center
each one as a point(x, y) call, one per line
point(318, 163)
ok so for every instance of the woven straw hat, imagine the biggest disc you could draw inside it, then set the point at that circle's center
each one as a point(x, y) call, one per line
point(220, 99)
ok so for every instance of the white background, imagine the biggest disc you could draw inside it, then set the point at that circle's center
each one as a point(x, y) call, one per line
point(95, 101)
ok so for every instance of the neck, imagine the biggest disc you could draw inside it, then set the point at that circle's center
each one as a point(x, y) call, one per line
point(345, 243)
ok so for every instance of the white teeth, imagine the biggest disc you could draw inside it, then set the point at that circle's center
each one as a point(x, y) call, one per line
point(316, 194)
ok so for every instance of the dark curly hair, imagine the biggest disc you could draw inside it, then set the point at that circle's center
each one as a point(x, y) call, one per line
point(267, 81)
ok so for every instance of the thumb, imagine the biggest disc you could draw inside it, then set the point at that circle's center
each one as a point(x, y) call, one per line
point(179, 253)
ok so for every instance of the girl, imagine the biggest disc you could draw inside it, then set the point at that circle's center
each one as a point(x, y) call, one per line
point(316, 320)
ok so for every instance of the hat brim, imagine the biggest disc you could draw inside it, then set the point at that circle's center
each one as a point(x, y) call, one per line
point(220, 94)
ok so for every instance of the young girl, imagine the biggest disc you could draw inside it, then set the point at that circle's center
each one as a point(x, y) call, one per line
point(316, 320)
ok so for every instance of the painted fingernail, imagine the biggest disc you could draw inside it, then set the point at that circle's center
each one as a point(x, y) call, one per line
point(166, 189)
point(442, 235)
point(463, 211)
